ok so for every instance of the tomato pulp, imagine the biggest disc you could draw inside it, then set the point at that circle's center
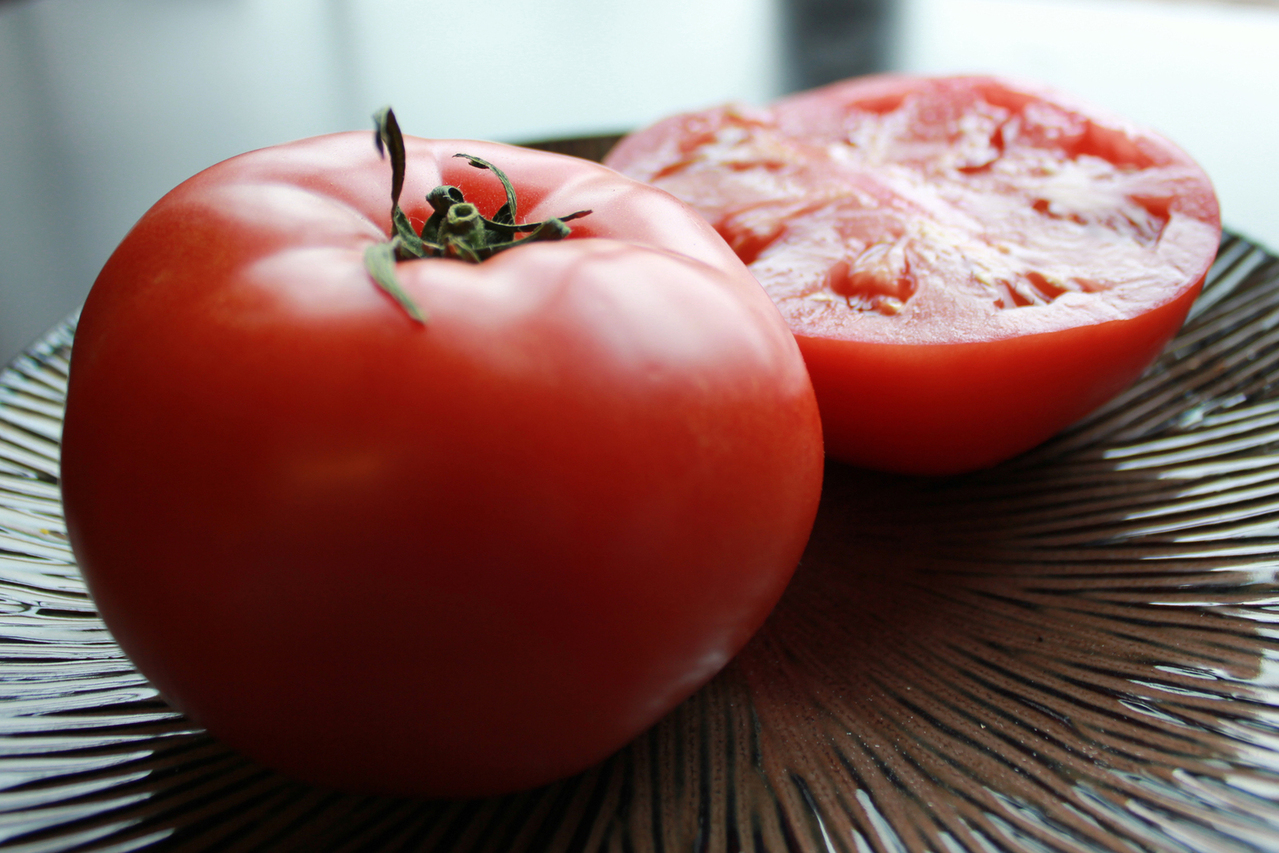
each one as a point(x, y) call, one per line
point(969, 264)
point(457, 557)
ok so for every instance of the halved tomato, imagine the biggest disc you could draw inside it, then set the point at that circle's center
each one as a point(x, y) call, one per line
point(969, 264)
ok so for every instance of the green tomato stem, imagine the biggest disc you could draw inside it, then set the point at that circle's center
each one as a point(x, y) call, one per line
point(455, 228)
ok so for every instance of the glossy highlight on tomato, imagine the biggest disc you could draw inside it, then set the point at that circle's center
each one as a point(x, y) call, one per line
point(969, 264)
point(454, 557)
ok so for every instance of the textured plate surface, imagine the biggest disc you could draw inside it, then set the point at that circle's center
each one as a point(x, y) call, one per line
point(1076, 651)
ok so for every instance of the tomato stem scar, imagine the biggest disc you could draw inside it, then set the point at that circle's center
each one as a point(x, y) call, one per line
point(455, 228)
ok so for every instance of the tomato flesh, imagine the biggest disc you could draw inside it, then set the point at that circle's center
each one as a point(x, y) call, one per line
point(969, 265)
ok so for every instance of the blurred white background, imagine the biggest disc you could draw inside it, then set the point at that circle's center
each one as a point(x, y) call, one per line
point(107, 104)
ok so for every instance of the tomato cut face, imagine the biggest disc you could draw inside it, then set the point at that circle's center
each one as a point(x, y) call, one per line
point(969, 265)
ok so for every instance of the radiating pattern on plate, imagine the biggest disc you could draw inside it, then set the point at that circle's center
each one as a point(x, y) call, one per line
point(1077, 651)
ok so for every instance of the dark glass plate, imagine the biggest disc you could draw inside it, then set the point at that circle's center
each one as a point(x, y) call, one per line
point(1076, 651)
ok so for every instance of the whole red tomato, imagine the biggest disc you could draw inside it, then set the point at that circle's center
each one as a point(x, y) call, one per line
point(456, 557)
point(969, 264)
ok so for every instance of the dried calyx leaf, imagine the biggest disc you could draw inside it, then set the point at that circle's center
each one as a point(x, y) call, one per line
point(455, 228)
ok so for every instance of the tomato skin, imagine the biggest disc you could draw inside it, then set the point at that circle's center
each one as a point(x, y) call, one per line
point(955, 408)
point(969, 264)
point(458, 559)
